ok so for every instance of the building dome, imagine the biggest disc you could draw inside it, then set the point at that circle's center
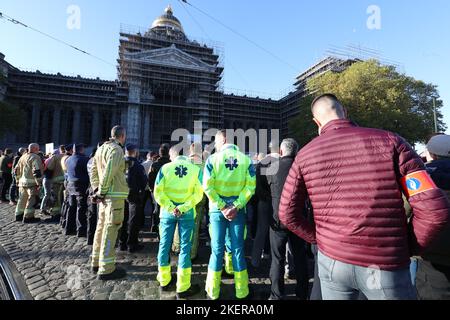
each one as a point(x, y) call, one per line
point(168, 21)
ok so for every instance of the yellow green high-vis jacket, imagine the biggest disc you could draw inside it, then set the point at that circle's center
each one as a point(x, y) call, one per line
point(29, 170)
point(178, 185)
point(229, 174)
point(108, 171)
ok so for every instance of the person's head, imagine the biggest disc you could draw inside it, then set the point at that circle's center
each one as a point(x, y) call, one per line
point(79, 148)
point(119, 133)
point(69, 149)
point(33, 148)
point(288, 148)
point(173, 153)
point(438, 147)
point(131, 150)
point(62, 149)
point(150, 155)
point(274, 147)
point(22, 151)
point(220, 139)
point(326, 108)
point(196, 149)
point(1, 152)
point(8, 152)
point(164, 150)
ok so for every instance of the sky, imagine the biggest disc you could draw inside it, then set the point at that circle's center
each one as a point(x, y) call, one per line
point(290, 36)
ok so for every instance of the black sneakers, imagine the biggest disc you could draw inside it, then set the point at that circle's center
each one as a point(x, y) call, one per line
point(94, 270)
point(115, 275)
point(192, 291)
point(19, 218)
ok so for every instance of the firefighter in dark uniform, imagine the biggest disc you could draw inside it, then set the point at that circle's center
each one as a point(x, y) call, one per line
point(134, 204)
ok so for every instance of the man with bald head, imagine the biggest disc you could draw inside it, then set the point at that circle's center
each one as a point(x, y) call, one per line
point(29, 173)
point(355, 178)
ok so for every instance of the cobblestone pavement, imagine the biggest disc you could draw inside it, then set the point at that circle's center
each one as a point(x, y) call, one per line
point(55, 266)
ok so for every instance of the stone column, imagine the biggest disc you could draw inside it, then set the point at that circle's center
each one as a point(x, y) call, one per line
point(114, 119)
point(147, 129)
point(56, 125)
point(76, 125)
point(95, 133)
point(133, 126)
point(133, 123)
point(34, 132)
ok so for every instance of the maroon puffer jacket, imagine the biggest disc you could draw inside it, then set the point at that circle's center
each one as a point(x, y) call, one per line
point(352, 176)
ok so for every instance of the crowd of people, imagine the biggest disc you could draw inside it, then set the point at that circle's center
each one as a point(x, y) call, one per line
point(360, 201)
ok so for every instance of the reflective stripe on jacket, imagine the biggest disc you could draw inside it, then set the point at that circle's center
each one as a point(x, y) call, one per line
point(108, 171)
point(29, 170)
point(178, 185)
point(227, 174)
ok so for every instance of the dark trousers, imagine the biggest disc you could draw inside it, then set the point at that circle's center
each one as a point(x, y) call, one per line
point(155, 215)
point(70, 215)
point(432, 281)
point(278, 241)
point(92, 216)
point(129, 234)
point(13, 190)
point(264, 214)
point(77, 213)
point(7, 179)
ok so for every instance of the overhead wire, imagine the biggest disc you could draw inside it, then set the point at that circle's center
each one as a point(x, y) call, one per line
point(17, 22)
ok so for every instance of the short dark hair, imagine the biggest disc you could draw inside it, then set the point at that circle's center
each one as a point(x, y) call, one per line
point(164, 150)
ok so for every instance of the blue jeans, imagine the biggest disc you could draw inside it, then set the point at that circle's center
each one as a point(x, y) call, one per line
point(342, 281)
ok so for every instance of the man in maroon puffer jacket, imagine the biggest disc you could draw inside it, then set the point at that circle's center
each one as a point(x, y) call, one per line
point(354, 178)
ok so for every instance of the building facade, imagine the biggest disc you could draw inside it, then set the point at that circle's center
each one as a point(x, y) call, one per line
point(165, 81)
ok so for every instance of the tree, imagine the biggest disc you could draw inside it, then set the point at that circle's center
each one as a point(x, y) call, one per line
point(12, 119)
point(376, 96)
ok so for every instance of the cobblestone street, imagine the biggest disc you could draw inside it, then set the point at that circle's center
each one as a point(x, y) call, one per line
point(56, 267)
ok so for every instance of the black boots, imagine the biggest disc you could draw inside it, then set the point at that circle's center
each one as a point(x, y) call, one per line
point(192, 291)
point(115, 275)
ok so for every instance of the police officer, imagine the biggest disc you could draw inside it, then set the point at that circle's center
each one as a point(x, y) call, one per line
point(177, 190)
point(92, 212)
point(134, 205)
point(154, 169)
point(28, 172)
point(111, 190)
point(77, 185)
point(229, 182)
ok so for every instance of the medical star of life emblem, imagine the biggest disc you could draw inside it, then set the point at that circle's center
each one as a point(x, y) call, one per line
point(181, 171)
point(231, 163)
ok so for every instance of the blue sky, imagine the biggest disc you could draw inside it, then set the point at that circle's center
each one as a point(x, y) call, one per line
point(415, 33)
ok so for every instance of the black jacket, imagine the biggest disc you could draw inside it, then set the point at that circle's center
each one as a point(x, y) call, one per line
point(136, 178)
point(154, 169)
point(439, 171)
point(262, 191)
point(276, 184)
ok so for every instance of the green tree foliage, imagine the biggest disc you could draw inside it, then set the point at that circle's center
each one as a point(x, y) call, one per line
point(375, 96)
point(12, 119)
